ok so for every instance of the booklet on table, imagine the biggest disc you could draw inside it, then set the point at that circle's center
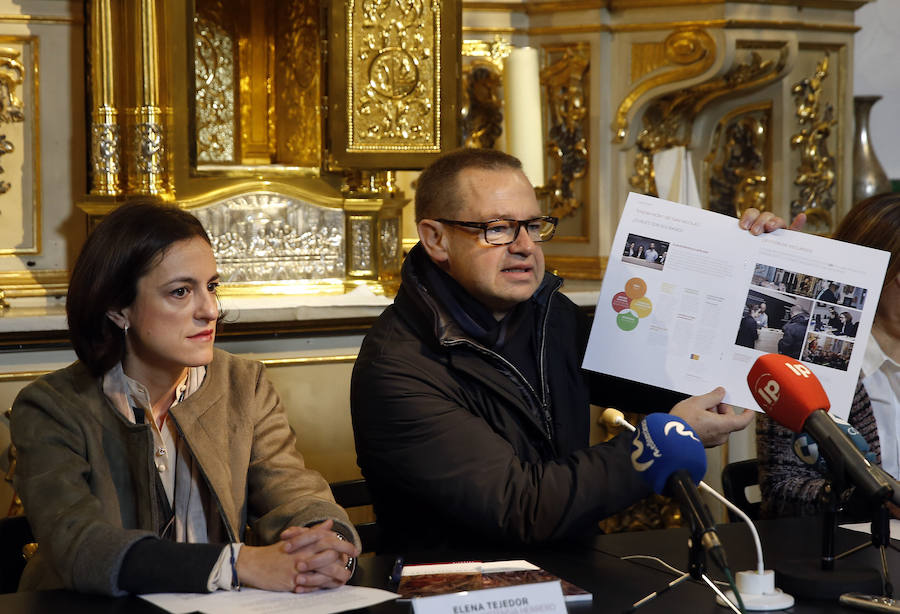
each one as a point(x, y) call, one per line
point(444, 578)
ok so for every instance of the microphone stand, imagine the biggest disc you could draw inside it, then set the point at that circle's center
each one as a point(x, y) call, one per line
point(696, 570)
point(807, 578)
point(881, 539)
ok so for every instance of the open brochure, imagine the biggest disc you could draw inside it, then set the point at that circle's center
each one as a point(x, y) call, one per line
point(444, 578)
point(680, 306)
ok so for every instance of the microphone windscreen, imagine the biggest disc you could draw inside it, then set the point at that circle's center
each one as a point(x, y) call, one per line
point(807, 450)
point(662, 445)
point(786, 390)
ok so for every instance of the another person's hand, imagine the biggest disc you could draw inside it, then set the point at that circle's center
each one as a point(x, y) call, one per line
point(306, 559)
point(325, 556)
point(711, 419)
point(758, 222)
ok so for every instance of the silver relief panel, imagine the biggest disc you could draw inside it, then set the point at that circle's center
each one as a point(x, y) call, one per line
point(269, 237)
point(390, 244)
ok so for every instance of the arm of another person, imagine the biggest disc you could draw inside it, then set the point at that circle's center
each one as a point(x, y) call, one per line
point(414, 428)
point(291, 509)
point(791, 487)
point(788, 486)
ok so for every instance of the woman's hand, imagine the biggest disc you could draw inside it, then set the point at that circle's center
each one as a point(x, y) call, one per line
point(306, 559)
point(758, 222)
point(324, 556)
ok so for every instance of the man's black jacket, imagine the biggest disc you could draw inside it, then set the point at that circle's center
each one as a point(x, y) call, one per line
point(449, 441)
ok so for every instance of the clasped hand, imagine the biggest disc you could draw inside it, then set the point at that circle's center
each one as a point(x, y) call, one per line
point(305, 559)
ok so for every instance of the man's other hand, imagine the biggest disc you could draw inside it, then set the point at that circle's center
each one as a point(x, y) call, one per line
point(712, 420)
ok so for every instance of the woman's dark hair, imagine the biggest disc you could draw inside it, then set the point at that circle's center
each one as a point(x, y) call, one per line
point(875, 222)
point(121, 249)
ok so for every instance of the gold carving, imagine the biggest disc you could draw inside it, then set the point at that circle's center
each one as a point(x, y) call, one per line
point(645, 58)
point(741, 161)
point(147, 152)
point(105, 151)
point(298, 65)
point(255, 54)
point(691, 51)
point(147, 141)
point(214, 73)
point(815, 175)
point(105, 141)
point(393, 75)
point(668, 120)
point(481, 113)
point(494, 52)
point(565, 82)
point(12, 75)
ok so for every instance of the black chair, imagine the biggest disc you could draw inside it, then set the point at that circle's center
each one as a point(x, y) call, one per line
point(15, 535)
point(736, 478)
point(355, 493)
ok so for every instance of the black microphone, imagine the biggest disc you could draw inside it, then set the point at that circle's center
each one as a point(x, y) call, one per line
point(671, 459)
point(793, 396)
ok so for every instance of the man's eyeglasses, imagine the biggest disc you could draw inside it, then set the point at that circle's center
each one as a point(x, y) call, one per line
point(504, 232)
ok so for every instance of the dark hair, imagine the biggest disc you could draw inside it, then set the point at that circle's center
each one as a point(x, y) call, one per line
point(121, 249)
point(875, 222)
point(436, 191)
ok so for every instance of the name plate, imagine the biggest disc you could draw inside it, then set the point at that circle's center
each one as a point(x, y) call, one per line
point(539, 598)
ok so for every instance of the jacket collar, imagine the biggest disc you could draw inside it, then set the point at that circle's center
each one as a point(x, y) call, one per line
point(421, 305)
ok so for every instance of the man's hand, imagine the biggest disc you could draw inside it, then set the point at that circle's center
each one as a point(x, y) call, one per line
point(306, 559)
point(711, 419)
point(758, 222)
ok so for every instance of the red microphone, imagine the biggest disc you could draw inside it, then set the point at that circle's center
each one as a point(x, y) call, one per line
point(792, 395)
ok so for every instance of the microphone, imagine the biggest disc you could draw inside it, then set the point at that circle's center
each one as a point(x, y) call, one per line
point(807, 450)
point(613, 419)
point(671, 459)
point(793, 396)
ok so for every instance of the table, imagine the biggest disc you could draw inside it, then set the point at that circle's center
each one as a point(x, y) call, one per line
point(594, 565)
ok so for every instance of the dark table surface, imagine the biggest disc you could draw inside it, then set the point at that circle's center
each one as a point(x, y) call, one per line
point(595, 566)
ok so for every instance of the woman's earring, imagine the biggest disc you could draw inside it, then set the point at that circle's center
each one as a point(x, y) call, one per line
point(125, 330)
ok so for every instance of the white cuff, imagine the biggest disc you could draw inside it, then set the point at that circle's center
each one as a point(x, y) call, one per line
point(222, 572)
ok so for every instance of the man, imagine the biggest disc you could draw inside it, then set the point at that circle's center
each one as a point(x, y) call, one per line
point(651, 254)
point(793, 332)
point(470, 408)
point(828, 294)
point(762, 318)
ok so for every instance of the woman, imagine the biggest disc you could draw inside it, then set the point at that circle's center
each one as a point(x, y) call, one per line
point(790, 487)
point(141, 464)
point(848, 327)
point(747, 331)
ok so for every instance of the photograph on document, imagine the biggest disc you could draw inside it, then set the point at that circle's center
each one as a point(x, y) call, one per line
point(832, 352)
point(773, 322)
point(645, 251)
point(831, 291)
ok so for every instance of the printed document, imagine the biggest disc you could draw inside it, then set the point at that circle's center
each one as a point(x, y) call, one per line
point(690, 300)
point(253, 601)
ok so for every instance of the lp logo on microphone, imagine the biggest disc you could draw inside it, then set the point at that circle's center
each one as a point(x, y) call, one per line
point(767, 390)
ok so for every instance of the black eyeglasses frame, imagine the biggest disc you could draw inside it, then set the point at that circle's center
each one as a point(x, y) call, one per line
point(483, 226)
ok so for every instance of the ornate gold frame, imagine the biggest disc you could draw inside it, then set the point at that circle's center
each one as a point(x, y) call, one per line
point(374, 72)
